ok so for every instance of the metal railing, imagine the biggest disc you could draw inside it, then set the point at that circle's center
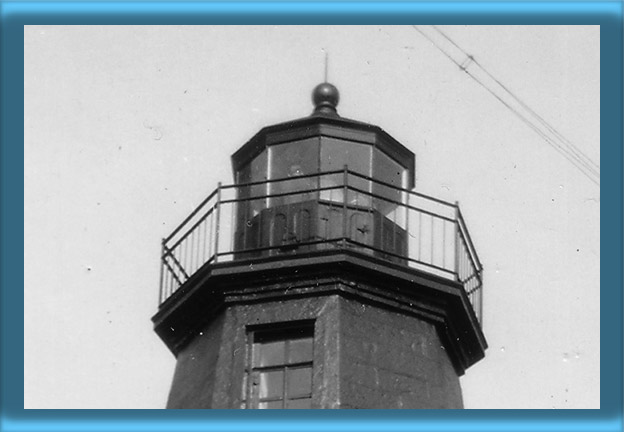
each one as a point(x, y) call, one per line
point(336, 209)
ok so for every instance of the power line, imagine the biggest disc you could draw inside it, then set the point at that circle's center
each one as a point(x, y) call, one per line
point(550, 128)
point(516, 105)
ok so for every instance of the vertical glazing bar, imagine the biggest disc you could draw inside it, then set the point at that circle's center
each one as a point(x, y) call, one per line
point(217, 221)
point(345, 191)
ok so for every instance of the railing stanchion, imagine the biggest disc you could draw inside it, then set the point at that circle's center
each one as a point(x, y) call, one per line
point(457, 238)
point(480, 290)
point(345, 185)
point(217, 222)
point(394, 236)
point(162, 294)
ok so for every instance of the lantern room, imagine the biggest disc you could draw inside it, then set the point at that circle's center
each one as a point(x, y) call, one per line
point(311, 183)
point(322, 226)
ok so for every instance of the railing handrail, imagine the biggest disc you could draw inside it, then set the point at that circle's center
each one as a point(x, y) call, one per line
point(470, 245)
point(193, 213)
point(199, 233)
point(341, 171)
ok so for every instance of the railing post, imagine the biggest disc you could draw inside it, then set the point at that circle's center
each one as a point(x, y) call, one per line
point(162, 270)
point(457, 239)
point(217, 222)
point(480, 315)
point(345, 188)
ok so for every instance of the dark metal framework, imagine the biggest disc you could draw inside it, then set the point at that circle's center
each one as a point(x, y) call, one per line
point(413, 230)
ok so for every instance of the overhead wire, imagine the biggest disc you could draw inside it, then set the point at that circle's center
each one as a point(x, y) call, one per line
point(574, 149)
point(552, 137)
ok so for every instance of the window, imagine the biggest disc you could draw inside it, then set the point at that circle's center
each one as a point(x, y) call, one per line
point(279, 370)
point(335, 154)
point(292, 162)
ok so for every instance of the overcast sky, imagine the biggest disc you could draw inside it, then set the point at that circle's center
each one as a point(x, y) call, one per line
point(127, 129)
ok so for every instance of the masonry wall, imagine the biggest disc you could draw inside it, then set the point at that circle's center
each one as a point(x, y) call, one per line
point(196, 367)
point(391, 360)
point(209, 371)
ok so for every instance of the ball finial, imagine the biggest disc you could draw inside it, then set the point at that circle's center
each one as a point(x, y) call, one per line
point(325, 97)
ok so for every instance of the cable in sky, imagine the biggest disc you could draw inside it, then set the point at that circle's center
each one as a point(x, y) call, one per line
point(578, 153)
point(516, 105)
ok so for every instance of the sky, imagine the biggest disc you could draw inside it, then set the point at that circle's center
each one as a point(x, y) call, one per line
point(127, 129)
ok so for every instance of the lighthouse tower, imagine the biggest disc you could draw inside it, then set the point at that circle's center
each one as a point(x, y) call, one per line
point(320, 279)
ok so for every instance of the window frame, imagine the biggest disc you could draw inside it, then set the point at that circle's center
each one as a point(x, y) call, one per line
point(286, 332)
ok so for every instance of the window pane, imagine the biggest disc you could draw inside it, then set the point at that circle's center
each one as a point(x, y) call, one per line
point(336, 183)
point(299, 381)
point(290, 161)
point(255, 171)
point(335, 154)
point(270, 405)
point(386, 170)
point(300, 350)
point(299, 403)
point(271, 384)
point(295, 158)
point(268, 354)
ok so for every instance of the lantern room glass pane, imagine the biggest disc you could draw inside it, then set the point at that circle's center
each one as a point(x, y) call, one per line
point(335, 154)
point(254, 171)
point(387, 170)
point(290, 163)
point(294, 158)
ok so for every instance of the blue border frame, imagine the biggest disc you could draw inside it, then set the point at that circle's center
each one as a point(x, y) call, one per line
point(14, 15)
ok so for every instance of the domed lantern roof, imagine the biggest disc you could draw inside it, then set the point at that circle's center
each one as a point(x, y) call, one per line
point(325, 141)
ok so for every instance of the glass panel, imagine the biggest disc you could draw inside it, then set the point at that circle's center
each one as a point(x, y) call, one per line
point(270, 405)
point(271, 384)
point(336, 184)
point(247, 218)
point(268, 354)
point(299, 404)
point(388, 171)
point(299, 382)
point(295, 158)
point(335, 154)
point(300, 350)
point(255, 171)
point(290, 161)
